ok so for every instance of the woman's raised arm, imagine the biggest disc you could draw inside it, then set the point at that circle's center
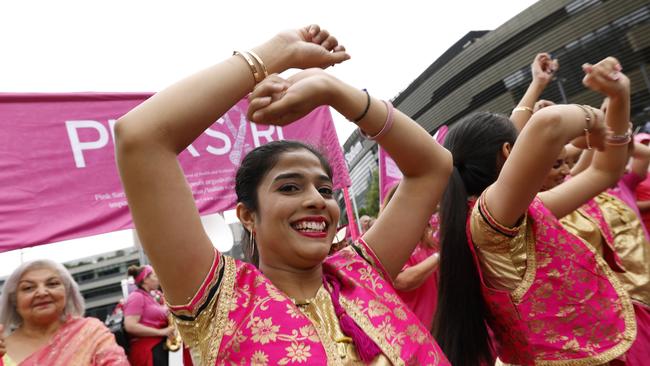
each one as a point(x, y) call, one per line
point(425, 164)
point(149, 138)
point(608, 165)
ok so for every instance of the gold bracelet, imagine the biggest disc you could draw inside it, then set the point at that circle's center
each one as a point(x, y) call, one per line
point(259, 61)
point(257, 75)
point(588, 124)
point(523, 109)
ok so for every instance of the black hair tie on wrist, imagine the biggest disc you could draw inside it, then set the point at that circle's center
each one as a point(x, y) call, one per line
point(365, 111)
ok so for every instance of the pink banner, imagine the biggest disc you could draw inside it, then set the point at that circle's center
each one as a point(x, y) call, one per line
point(57, 166)
point(389, 174)
point(352, 225)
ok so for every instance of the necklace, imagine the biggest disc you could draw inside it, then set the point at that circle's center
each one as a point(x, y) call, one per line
point(307, 301)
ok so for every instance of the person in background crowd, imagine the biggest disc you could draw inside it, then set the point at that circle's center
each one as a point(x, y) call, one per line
point(364, 222)
point(41, 316)
point(417, 282)
point(643, 189)
point(542, 69)
point(518, 269)
point(146, 321)
point(294, 304)
point(611, 223)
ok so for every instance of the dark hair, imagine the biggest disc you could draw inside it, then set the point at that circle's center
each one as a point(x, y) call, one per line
point(459, 326)
point(256, 164)
point(134, 271)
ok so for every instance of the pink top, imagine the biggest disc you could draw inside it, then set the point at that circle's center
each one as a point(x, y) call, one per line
point(79, 341)
point(643, 194)
point(625, 191)
point(568, 309)
point(424, 299)
point(152, 313)
point(239, 317)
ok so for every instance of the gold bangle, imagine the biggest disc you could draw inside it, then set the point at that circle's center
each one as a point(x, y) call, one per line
point(523, 109)
point(588, 116)
point(257, 75)
point(588, 125)
point(259, 61)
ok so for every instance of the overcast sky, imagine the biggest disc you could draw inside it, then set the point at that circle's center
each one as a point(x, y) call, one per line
point(72, 46)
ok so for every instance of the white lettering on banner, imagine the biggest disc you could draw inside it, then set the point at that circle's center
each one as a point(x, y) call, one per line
point(236, 150)
point(192, 150)
point(267, 134)
point(77, 146)
point(221, 136)
point(236, 155)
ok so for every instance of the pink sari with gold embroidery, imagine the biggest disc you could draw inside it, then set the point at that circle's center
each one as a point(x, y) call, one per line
point(79, 341)
point(239, 317)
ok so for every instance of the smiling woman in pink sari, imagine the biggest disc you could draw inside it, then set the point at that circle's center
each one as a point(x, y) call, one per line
point(41, 309)
point(294, 304)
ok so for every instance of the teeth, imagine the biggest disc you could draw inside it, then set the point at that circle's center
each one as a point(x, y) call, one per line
point(310, 226)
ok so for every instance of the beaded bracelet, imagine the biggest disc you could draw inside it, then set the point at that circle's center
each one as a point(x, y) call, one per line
point(387, 125)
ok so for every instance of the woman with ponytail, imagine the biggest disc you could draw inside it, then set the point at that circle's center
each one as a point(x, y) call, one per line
point(506, 261)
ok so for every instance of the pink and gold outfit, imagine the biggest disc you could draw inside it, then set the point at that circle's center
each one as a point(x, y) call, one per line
point(79, 341)
point(552, 299)
point(622, 230)
point(239, 317)
point(424, 299)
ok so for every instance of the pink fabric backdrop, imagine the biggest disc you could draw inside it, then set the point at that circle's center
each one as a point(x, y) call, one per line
point(58, 176)
point(389, 174)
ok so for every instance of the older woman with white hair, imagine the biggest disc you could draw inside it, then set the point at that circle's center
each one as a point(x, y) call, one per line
point(41, 310)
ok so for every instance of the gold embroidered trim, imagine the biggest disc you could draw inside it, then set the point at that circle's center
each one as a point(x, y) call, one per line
point(531, 266)
point(369, 256)
point(596, 224)
point(362, 320)
point(177, 310)
point(211, 344)
point(629, 334)
point(325, 339)
point(496, 225)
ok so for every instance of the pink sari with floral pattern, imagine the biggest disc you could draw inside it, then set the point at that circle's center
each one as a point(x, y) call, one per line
point(639, 353)
point(569, 309)
point(79, 341)
point(239, 317)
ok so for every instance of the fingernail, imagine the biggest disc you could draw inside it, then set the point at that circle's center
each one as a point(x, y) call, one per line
point(615, 76)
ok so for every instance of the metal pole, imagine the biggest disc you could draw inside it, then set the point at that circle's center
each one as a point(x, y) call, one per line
point(562, 93)
point(645, 76)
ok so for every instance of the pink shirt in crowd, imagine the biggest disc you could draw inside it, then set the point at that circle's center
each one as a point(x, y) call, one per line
point(152, 313)
point(625, 190)
point(643, 194)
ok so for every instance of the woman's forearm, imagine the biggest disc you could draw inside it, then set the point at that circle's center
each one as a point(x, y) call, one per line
point(420, 156)
point(524, 110)
point(413, 277)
